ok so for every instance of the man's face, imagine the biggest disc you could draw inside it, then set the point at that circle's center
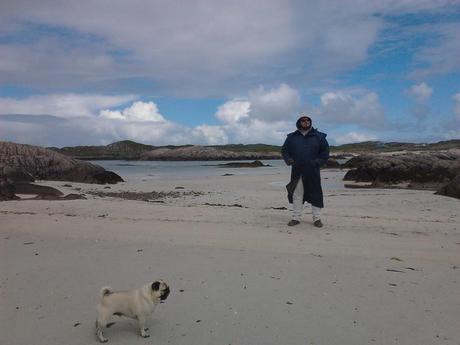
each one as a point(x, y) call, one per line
point(305, 123)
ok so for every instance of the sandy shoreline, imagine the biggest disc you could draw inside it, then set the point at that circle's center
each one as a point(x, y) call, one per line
point(385, 269)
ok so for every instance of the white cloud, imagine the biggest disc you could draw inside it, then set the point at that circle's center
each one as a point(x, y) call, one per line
point(138, 111)
point(184, 46)
point(342, 107)
point(200, 47)
point(270, 114)
point(354, 137)
point(275, 104)
point(211, 135)
point(54, 131)
point(257, 131)
point(150, 132)
point(62, 105)
point(233, 111)
point(264, 116)
point(421, 92)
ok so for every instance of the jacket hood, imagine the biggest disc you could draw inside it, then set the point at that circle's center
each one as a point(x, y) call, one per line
point(297, 124)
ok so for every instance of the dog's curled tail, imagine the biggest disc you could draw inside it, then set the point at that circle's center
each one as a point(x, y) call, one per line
point(105, 291)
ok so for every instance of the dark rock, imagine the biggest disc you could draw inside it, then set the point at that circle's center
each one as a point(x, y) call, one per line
point(7, 190)
point(107, 177)
point(331, 164)
point(17, 174)
point(439, 167)
point(357, 161)
point(451, 189)
point(46, 197)
point(73, 196)
point(43, 191)
point(430, 171)
point(255, 164)
point(356, 186)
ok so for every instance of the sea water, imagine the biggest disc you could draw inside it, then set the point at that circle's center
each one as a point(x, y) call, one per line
point(138, 170)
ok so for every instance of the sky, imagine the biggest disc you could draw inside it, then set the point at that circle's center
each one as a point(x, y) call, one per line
point(212, 72)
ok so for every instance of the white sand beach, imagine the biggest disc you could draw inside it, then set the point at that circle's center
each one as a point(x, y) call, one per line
point(385, 268)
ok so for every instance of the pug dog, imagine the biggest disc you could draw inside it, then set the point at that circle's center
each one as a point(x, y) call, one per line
point(137, 304)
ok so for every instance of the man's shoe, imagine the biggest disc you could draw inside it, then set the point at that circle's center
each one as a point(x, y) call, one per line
point(293, 222)
point(318, 223)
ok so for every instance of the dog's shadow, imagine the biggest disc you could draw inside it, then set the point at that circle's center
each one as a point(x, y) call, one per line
point(125, 326)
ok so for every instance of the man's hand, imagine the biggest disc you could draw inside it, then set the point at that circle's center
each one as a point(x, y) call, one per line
point(290, 161)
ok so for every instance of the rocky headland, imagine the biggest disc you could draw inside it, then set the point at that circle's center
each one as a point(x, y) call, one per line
point(130, 150)
point(120, 150)
point(438, 171)
point(20, 165)
point(205, 153)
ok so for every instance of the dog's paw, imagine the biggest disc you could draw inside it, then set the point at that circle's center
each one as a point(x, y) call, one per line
point(101, 338)
point(144, 333)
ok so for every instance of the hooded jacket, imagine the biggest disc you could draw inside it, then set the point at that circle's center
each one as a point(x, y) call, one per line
point(308, 154)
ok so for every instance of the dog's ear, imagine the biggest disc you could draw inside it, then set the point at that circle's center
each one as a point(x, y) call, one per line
point(156, 286)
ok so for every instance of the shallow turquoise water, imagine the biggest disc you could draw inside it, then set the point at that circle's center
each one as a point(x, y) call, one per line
point(176, 168)
point(187, 169)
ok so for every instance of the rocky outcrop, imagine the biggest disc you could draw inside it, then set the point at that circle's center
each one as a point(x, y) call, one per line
point(204, 153)
point(22, 164)
point(22, 161)
point(451, 189)
point(357, 161)
point(438, 167)
point(417, 170)
point(15, 174)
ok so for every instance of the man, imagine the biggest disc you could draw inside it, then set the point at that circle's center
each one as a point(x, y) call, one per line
point(305, 150)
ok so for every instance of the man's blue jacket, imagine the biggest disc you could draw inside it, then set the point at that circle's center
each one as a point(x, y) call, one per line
point(308, 153)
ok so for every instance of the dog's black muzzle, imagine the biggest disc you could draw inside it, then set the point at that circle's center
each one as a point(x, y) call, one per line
point(164, 294)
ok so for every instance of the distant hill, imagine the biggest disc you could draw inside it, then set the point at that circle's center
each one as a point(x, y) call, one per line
point(123, 150)
point(378, 146)
point(119, 150)
point(130, 150)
